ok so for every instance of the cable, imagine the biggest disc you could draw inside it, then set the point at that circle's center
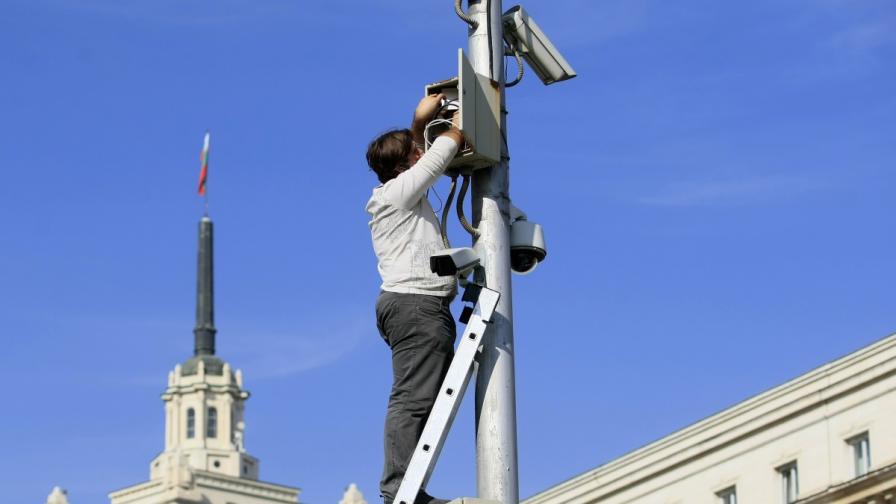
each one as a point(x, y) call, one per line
point(441, 203)
point(491, 49)
point(449, 105)
point(426, 140)
point(460, 208)
point(519, 64)
point(463, 15)
point(446, 210)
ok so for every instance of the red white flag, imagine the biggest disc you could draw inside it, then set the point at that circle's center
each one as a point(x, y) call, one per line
point(203, 170)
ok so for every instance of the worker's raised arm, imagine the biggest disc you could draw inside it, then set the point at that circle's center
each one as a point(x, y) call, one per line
point(405, 190)
point(425, 112)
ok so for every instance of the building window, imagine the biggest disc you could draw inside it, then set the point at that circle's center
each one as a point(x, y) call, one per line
point(727, 496)
point(191, 423)
point(790, 486)
point(861, 453)
point(211, 428)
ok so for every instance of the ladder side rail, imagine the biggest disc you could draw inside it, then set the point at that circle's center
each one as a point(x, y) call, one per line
point(451, 392)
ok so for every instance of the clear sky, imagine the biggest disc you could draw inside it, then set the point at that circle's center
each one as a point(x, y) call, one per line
point(716, 188)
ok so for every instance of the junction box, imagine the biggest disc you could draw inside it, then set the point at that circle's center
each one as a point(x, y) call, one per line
point(479, 100)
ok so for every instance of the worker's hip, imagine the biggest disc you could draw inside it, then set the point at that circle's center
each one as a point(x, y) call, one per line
point(415, 320)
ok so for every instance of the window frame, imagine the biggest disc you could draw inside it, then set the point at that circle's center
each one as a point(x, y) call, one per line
point(211, 422)
point(191, 423)
point(727, 495)
point(860, 446)
point(790, 482)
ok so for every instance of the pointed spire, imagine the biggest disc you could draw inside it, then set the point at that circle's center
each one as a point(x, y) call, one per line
point(205, 293)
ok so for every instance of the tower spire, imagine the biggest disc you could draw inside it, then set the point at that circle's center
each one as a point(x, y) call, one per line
point(204, 331)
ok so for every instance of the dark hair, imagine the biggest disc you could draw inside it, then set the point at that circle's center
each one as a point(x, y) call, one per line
point(388, 153)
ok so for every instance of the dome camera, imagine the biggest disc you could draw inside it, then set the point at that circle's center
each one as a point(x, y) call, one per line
point(527, 247)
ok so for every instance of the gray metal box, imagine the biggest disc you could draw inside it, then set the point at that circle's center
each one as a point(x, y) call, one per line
point(480, 115)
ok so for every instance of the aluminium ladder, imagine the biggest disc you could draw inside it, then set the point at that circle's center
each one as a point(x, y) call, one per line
point(451, 392)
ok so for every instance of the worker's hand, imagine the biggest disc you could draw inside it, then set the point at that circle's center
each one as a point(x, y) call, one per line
point(454, 131)
point(424, 113)
point(427, 108)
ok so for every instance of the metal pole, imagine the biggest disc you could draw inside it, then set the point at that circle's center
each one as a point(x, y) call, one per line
point(496, 454)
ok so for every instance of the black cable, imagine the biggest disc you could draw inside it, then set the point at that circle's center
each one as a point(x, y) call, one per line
point(446, 211)
point(460, 207)
point(463, 15)
point(519, 64)
point(491, 54)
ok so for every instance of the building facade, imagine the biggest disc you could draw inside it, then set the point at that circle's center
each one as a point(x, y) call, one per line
point(205, 459)
point(827, 437)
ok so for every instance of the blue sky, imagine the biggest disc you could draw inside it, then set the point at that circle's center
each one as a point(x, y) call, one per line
point(715, 187)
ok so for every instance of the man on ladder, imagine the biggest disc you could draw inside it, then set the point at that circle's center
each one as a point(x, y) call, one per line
point(412, 310)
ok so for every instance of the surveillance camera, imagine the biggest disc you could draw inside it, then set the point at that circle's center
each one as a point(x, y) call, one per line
point(455, 261)
point(522, 33)
point(527, 247)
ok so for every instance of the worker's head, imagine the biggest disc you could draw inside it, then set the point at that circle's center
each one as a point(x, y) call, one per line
point(392, 153)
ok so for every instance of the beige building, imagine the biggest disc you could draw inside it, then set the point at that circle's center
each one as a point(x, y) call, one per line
point(828, 436)
point(205, 459)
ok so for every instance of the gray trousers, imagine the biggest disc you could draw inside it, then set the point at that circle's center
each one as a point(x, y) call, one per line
point(420, 331)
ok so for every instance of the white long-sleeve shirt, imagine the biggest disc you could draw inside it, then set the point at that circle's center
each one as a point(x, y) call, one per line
point(405, 229)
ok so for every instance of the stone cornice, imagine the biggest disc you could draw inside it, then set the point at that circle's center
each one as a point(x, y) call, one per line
point(233, 390)
point(138, 488)
point(283, 493)
point(858, 490)
point(270, 491)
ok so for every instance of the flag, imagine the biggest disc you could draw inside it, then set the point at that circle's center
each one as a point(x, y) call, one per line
point(203, 170)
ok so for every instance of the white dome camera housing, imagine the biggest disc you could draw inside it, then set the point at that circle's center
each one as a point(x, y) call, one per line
point(527, 247)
